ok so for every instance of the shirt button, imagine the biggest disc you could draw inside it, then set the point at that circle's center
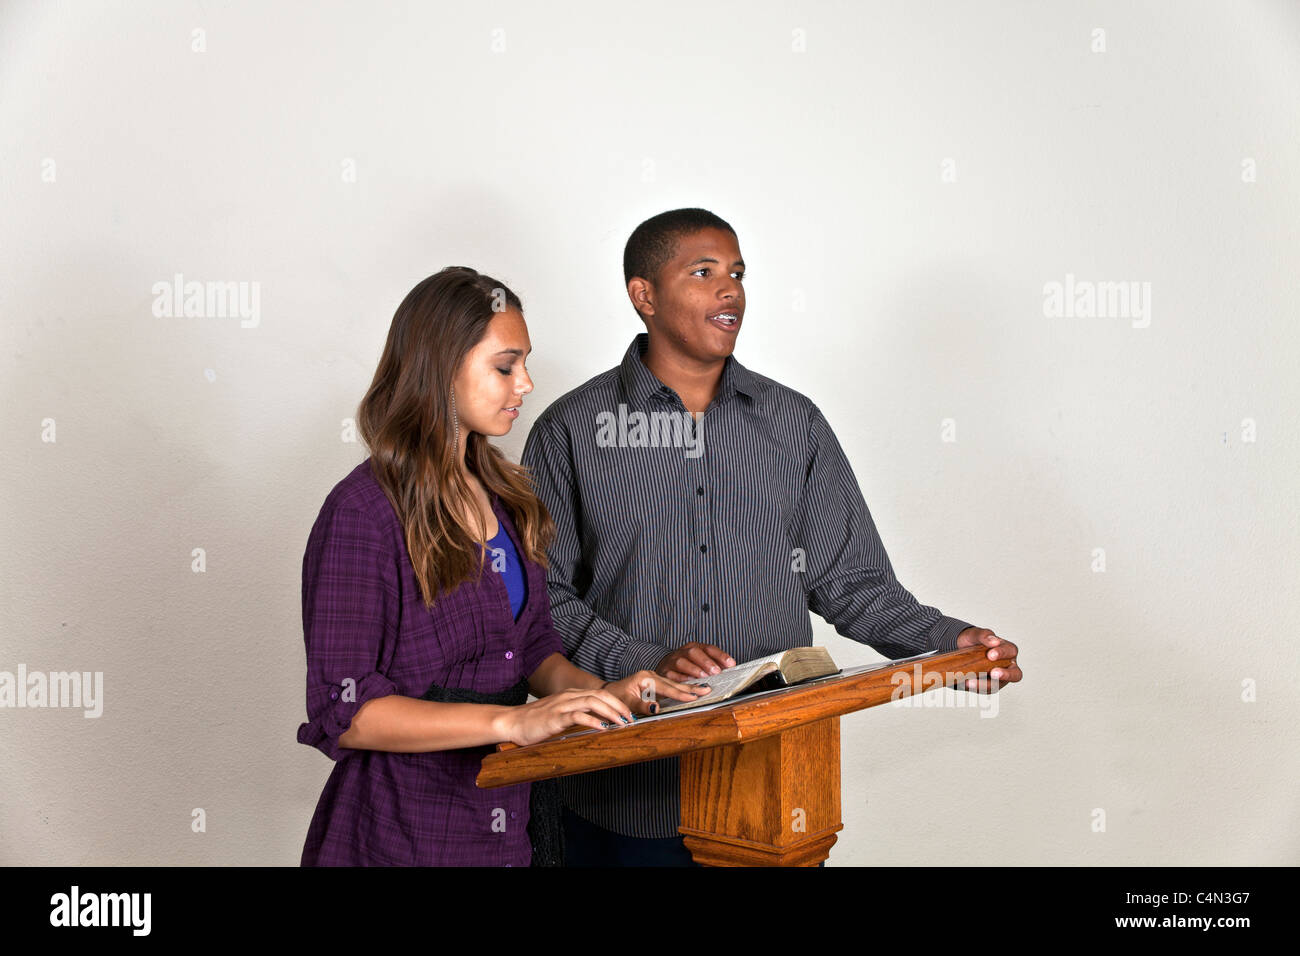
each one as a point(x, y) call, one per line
point(510, 655)
point(513, 814)
point(334, 695)
point(699, 491)
point(704, 547)
point(704, 607)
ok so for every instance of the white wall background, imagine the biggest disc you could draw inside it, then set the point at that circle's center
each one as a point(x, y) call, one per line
point(129, 157)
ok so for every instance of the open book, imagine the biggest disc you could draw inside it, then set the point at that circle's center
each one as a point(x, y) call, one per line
point(783, 669)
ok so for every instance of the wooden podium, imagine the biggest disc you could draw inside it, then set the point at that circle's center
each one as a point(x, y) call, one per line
point(760, 774)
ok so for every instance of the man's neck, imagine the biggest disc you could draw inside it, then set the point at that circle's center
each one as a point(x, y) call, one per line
point(696, 384)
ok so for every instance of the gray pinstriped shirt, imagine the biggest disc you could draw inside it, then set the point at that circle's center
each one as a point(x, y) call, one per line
point(726, 533)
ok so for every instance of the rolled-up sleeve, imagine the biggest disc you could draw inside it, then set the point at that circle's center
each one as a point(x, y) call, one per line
point(543, 639)
point(350, 617)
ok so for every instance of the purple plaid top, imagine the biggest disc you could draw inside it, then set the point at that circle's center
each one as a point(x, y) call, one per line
point(368, 634)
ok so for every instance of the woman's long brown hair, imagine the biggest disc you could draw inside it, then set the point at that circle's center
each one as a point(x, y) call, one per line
point(406, 421)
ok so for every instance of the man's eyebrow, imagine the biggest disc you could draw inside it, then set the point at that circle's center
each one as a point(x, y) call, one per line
point(738, 262)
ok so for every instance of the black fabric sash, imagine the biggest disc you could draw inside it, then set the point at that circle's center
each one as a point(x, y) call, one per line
point(545, 829)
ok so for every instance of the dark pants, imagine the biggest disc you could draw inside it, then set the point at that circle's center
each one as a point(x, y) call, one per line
point(586, 844)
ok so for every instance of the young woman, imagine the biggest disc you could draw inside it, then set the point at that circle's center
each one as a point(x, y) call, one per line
point(425, 611)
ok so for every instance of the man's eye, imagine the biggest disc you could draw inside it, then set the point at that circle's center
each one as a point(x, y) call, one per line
point(739, 275)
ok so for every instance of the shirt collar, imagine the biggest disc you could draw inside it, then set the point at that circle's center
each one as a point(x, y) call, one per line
point(640, 384)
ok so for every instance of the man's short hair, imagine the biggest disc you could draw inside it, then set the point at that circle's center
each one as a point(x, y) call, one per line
point(654, 242)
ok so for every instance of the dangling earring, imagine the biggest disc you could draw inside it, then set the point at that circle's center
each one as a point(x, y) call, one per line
point(456, 419)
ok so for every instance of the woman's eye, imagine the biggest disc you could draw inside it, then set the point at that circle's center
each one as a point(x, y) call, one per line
point(504, 371)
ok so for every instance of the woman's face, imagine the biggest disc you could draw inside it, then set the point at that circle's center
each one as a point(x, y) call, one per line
point(492, 381)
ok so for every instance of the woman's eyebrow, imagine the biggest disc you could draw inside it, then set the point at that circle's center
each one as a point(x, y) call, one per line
point(512, 352)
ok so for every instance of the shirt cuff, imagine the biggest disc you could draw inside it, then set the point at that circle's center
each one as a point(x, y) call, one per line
point(335, 717)
point(640, 656)
point(943, 636)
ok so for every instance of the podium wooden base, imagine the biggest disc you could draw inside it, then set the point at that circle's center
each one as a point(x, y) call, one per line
point(772, 802)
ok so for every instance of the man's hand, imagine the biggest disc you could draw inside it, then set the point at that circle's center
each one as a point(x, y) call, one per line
point(694, 660)
point(1004, 652)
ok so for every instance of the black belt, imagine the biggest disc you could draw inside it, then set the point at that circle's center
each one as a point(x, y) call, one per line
point(545, 829)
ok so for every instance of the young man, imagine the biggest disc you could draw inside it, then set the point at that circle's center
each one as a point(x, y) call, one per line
point(701, 511)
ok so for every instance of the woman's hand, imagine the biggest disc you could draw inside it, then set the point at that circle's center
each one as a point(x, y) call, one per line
point(529, 723)
point(640, 690)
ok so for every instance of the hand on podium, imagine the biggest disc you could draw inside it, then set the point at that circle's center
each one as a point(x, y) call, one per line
point(1002, 651)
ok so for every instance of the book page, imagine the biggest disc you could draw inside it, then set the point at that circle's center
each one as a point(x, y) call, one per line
point(726, 681)
point(729, 677)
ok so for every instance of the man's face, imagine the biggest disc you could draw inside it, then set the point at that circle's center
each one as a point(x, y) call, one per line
point(684, 306)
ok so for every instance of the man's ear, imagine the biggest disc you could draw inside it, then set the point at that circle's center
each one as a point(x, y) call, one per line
point(641, 292)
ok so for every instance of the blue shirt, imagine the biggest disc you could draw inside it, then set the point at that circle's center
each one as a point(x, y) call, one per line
point(504, 558)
